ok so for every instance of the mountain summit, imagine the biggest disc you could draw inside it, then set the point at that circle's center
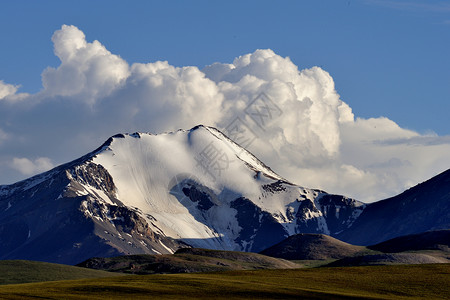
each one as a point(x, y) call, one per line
point(146, 193)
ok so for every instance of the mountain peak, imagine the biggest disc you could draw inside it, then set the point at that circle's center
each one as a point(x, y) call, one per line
point(156, 193)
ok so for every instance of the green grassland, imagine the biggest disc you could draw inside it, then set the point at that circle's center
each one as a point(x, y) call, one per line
point(398, 281)
point(23, 271)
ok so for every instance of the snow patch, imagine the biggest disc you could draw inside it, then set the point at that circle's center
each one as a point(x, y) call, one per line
point(167, 248)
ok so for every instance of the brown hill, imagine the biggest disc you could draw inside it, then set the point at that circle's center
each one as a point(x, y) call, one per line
point(307, 246)
point(188, 260)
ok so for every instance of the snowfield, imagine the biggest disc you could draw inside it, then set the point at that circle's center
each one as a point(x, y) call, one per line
point(151, 171)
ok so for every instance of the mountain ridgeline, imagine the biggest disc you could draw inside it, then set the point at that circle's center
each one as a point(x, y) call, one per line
point(154, 194)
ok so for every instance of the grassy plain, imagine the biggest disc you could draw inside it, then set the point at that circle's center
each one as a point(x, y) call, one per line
point(25, 271)
point(393, 282)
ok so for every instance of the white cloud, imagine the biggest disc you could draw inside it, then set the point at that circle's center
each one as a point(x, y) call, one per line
point(312, 137)
point(8, 92)
point(161, 97)
point(7, 89)
point(29, 167)
point(87, 69)
point(311, 108)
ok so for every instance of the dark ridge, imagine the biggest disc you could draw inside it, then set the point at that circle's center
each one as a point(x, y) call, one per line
point(430, 240)
point(197, 127)
point(199, 196)
point(257, 225)
point(386, 259)
point(422, 208)
point(104, 145)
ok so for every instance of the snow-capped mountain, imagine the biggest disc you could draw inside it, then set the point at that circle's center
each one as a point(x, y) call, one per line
point(145, 193)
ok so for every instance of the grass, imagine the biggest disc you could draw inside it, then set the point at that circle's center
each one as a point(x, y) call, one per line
point(313, 263)
point(401, 281)
point(22, 271)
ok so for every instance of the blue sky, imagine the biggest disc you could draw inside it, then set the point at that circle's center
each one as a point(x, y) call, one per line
point(370, 121)
point(388, 58)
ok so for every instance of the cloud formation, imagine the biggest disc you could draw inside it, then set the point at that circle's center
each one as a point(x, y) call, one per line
point(294, 119)
point(7, 89)
point(87, 70)
point(28, 167)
